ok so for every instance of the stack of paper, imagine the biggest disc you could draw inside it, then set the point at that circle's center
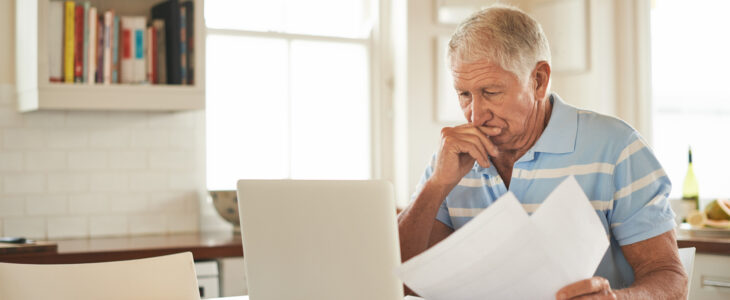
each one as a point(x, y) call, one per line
point(505, 254)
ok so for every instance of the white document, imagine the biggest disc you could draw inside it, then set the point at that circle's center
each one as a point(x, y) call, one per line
point(504, 254)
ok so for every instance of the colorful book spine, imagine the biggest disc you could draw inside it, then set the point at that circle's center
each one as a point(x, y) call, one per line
point(93, 32)
point(100, 50)
point(183, 47)
point(151, 49)
point(79, 43)
point(85, 58)
point(55, 41)
point(115, 50)
point(190, 38)
point(159, 26)
point(69, 45)
point(108, 23)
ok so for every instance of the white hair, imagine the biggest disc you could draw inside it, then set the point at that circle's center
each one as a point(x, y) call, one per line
point(504, 35)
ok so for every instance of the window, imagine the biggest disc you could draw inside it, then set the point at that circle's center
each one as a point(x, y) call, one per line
point(288, 90)
point(691, 105)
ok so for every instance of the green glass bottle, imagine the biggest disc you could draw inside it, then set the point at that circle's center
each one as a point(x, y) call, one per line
point(690, 189)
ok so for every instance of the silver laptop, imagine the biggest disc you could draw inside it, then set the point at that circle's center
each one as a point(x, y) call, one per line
point(320, 240)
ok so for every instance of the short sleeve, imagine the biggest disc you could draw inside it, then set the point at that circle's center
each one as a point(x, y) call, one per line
point(641, 209)
point(443, 214)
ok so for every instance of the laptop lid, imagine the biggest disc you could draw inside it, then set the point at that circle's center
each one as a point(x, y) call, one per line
point(305, 239)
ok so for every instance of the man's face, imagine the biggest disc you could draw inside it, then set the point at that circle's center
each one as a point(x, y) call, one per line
point(494, 97)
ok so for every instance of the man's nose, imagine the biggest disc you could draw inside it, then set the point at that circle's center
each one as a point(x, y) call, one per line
point(480, 112)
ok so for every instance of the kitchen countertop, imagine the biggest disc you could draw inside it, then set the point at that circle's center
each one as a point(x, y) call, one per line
point(213, 245)
point(204, 245)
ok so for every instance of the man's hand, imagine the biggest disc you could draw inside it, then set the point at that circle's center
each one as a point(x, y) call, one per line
point(592, 288)
point(461, 146)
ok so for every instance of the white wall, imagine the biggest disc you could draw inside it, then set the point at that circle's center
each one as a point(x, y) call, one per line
point(80, 174)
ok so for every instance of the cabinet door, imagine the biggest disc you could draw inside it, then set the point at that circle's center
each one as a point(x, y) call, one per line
point(233, 276)
point(711, 278)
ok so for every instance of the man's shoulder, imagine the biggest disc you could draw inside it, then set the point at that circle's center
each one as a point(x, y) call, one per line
point(600, 127)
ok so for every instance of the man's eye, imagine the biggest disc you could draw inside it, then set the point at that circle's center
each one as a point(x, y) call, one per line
point(464, 94)
point(488, 93)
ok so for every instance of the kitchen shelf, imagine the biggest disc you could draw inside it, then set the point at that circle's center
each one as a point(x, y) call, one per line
point(35, 92)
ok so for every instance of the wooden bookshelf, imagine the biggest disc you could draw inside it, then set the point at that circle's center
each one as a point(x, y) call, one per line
point(35, 92)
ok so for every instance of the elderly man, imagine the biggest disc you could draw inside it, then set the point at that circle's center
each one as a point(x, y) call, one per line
point(521, 138)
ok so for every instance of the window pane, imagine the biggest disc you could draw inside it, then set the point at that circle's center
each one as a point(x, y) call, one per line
point(330, 111)
point(246, 119)
point(343, 18)
point(690, 104)
point(317, 17)
point(255, 15)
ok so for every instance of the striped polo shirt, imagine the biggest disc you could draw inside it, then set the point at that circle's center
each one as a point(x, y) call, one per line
point(610, 160)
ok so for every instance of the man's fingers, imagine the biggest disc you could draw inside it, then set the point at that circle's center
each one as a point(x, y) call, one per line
point(490, 131)
point(473, 151)
point(583, 287)
point(476, 140)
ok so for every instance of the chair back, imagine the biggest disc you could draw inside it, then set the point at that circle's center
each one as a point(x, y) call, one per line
point(687, 256)
point(162, 277)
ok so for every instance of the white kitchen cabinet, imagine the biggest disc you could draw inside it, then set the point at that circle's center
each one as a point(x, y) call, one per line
point(711, 278)
point(233, 276)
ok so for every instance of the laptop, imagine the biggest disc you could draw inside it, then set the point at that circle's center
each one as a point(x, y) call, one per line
point(319, 239)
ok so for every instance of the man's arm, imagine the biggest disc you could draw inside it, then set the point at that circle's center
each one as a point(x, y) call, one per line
point(658, 271)
point(658, 274)
point(417, 223)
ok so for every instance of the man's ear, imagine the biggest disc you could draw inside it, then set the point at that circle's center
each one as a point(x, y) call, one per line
point(541, 75)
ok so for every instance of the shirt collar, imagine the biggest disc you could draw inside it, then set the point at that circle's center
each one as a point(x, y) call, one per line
point(560, 133)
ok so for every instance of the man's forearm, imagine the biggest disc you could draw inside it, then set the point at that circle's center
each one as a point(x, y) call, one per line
point(660, 284)
point(416, 221)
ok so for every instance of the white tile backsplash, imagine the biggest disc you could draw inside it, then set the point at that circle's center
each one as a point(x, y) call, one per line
point(11, 161)
point(88, 160)
point(99, 173)
point(109, 225)
point(148, 181)
point(147, 224)
point(30, 227)
point(12, 206)
point(171, 160)
point(45, 160)
point(152, 138)
point(44, 119)
point(76, 138)
point(67, 227)
point(88, 204)
point(109, 182)
point(186, 222)
point(128, 203)
point(128, 160)
point(24, 183)
point(9, 117)
point(46, 205)
point(23, 138)
point(117, 138)
point(68, 182)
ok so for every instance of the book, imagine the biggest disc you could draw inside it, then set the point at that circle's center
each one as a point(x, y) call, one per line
point(115, 50)
point(79, 43)
point(151, 50)
point(91, 68)
point(169, 11)
point(159, 26)
point(190, 40)
point(85, 55)
point(183, 47)
point(133, 57)
point(69, 44)
point(100, 49)
point(108, 22)
point(55, 41)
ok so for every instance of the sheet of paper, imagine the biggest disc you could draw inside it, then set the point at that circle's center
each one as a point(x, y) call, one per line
point(504, 254)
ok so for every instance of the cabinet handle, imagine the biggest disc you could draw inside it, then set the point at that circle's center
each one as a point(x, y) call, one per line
point(715, 283)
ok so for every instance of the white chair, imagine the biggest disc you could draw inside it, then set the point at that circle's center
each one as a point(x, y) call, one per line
point(162, 277)
point(687, 256)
